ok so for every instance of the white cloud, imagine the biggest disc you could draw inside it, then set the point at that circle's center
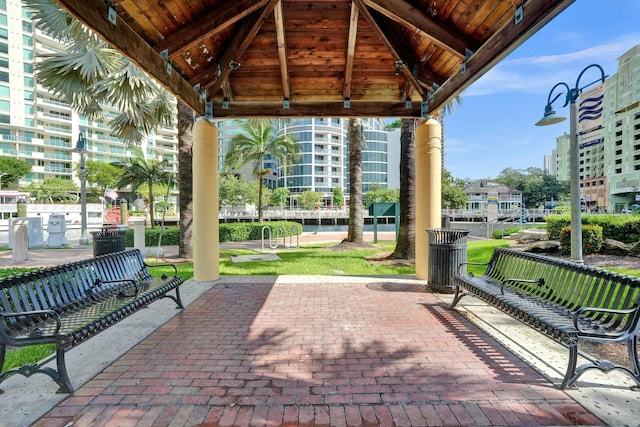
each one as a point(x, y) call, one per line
point(537, 74)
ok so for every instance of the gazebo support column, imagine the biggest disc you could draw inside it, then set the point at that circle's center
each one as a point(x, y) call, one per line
point(206, 246)
point(428, 140)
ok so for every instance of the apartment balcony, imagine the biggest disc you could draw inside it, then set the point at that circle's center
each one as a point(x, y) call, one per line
point(54, 117)
point(55, 143)
point(107, 138)
point(58, 170)
point(58, 157)
point(16, 138)
point(57, 131)
point(53, 103)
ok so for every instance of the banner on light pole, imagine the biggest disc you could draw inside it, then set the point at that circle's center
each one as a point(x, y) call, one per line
point(590, 123)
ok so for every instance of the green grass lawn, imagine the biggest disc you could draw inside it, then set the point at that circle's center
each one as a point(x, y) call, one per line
point(315, 259)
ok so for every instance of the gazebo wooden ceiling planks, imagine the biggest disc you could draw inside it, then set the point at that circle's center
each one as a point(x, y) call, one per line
point(340, 58)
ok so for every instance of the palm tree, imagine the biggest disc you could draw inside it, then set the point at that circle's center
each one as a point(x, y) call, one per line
point(90, 72)
point(406, 243)
point(254, 145)
point(185, 178)
point(137, 171)
point(356, 217)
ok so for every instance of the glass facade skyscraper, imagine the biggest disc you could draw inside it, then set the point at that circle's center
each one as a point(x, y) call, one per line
point(324, 156)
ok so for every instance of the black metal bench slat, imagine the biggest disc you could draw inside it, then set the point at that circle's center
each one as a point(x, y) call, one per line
point(568, 302)
point(68, 304)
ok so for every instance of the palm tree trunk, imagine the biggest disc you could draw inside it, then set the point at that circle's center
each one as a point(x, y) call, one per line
point(185, 179)
point(151, 204)
point(406, 244)
point(260, 189)
point(356, 217)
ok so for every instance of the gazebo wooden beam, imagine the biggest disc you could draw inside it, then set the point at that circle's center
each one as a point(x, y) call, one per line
point(316, 109)
point(394, 53)
point(405, 14)
point(282, 51)
point(237, 47)
point(210, 23)
point(351, 49)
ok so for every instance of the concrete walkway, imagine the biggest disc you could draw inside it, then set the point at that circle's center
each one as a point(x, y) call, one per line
point(299, 350)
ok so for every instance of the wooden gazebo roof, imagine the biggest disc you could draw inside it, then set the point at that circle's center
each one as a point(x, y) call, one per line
point(340, 58)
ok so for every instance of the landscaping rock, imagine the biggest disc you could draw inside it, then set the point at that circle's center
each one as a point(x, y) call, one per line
point(528, 236)
point(614, 247)
point(634, 250)
point(543, 247)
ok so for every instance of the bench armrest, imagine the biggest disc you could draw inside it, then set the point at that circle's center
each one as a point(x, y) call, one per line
point(583, 310)
point(175, 269)
point(56, 316)
point(469, 263)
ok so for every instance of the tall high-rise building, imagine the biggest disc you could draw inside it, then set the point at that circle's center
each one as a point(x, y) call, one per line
point(550, 160)
point(324, 156)
point(610, 168)
point(563, 160)
point(36, 126)
point(622, 131)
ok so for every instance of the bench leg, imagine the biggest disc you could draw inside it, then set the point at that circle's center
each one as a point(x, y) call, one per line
point(574, 372)
point(457, 297)
point(62, 377)
point(570, 376)
point(632, 347)
point(3, 353)
point(176, 299)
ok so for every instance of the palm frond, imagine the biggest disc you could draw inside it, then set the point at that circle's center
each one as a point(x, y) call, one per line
point(61, 75)
point(126, 131)
point(50, 18)
point(57, 23)
point(163, 106)
point(126, 87)
point(69, 76)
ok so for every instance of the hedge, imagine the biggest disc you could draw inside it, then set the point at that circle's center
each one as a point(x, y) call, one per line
point(234, 232)
point(622, 228)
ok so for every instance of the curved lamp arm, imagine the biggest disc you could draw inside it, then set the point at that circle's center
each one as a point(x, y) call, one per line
point(567, 90)
point(601, 79)
point(550, 117)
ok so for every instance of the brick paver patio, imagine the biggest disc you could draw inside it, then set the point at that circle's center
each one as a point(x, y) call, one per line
point(318, 354)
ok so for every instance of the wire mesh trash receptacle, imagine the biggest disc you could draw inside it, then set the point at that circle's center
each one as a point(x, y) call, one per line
point(447, 250)
point(108, 240)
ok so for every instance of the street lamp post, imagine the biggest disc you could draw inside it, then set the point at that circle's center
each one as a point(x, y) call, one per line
point(1, 175)
point(81, 148)
point(550, 117)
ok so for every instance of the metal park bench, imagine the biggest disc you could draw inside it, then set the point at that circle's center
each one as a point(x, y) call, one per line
point(70, 303)
point(568, 302)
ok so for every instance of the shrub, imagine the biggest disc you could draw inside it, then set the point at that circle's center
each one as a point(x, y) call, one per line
point(624, 228)
point(235, 232)
point(591, 239)
point(170, 236)
point(555, 224)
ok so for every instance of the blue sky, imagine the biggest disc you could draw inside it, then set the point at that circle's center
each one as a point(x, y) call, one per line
point(494, 128)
